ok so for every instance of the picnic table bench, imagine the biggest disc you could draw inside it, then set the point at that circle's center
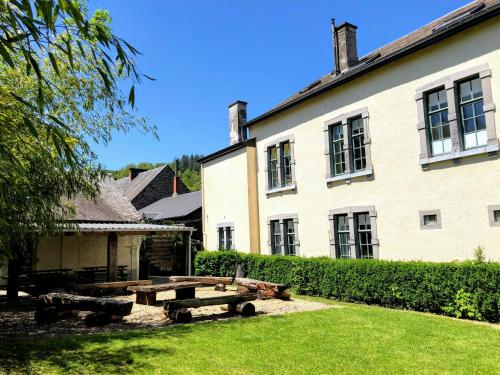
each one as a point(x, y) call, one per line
point(146, 295)
point(177, 310)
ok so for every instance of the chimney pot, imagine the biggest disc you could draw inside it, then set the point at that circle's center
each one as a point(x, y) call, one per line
point(346, 49)
point(133, 172)
point(237, 120)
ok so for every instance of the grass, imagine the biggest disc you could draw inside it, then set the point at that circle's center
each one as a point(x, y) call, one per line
point(353, 339)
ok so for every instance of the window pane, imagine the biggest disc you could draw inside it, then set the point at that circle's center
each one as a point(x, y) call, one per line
point(482, 138)
point(275, 237)
point(472, 118)
point(286, 167)
point(337, 157)
point(469, 126)
point(289, 237)
point(496, 215)
point(467, 111)
point(364, 236)
point(465, 91)
point(477, 91)
point(480, 123)
point(446, 131)
point(273, 167)
point(342, 241)
point(358, 144)
point(478, 108)
point(221, 238)
point(229, 238)
point(439, 129)
point(430, 219)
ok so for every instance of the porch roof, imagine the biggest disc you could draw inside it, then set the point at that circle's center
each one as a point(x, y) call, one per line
point(128, 228)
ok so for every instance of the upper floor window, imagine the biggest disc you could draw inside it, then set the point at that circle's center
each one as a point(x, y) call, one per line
point(472, 114)
point(437, 118)
point(353, 233)
point(283, 238)
point(225, 236)
point(348, 146)
point(456, 116)
point(280, 165)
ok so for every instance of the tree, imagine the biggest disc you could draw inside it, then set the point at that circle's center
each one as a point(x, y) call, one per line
point(60, 78)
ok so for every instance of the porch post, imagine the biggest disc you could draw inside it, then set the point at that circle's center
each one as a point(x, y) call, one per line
point(112, 256)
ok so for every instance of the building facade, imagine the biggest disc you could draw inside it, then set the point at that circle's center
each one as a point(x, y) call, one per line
point(393, 155)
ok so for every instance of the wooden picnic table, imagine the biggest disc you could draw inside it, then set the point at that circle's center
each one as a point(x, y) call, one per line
point(146, 295)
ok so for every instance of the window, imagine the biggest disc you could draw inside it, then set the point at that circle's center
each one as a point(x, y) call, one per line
point(456, 117)
point(275, 237)
point(273, 167)
point(283, 238)
point(280, 166)
point(430, 219)
point(337, 159)
point(343, 246)
point(471, 113)
point(348, 146)
point(494, 215)
point(225, 236)
point(437, 117)
point(353, 233)
point(358, 144)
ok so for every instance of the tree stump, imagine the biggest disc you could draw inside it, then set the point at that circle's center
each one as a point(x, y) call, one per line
point(245, 309)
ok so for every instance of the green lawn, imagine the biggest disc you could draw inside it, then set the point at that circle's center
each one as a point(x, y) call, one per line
point(349, 340)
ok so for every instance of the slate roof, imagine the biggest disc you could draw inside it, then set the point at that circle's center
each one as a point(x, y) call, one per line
point(172, 207)
point(439, 28)
point(139, 183)
point(127, 227)
point(110, 205)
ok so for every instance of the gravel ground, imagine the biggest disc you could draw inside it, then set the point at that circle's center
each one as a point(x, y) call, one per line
point(16, 320)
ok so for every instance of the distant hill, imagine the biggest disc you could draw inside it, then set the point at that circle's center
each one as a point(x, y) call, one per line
point(188, 172)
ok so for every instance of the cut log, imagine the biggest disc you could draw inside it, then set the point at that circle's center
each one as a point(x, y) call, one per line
point(145, 298)
point(264, 289)
point(204, 280)
point(230, 307)
point(220, 287)
point(243, 290)
point(51, 314)
point(180, 315)
point(209, 301)
point(245, 308)
point(97, 319)
point(64, 301)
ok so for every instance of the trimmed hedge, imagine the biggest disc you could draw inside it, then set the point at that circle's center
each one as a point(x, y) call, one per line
point(466, 289)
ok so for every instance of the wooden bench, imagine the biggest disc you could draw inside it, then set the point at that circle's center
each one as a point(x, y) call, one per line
point(146, 295)
point(98, 289)
point(237, 303)
point(54, 306)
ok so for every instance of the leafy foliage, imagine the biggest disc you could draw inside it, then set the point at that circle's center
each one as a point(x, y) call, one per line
point(467, 290)
point(60, 73)
point(188, 170)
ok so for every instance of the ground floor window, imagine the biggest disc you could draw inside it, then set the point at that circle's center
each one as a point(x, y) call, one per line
point(283, 239)
point(225, 236)
point(353, 233)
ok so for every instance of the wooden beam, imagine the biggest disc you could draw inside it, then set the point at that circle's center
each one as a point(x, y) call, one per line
point(163, 287)
point(205, 280)
point(199, 302)
point(112, 256)
point(113, 284)
point(63, 301)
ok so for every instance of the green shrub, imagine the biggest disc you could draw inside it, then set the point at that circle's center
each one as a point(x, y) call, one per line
point(465, 289)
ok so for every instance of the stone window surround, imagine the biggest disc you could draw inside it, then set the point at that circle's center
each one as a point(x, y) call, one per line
point(449, 84)
point(344, 120)
point(350, 212)
point(421, 215)
point(276, 143)
point(226, 225)
point(491, 215)
point(281, 218)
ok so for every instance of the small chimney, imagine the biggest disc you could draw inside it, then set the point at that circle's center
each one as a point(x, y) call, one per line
point(133, 172)
point(174, 193)
point(345, 47)
point(237, 120)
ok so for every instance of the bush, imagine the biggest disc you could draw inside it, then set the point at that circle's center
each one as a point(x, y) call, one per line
point(465, 289)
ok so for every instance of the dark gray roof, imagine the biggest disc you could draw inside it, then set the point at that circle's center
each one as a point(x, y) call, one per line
point(110, 205)
point(172, 207)
point(432, 32)
point(139, 183)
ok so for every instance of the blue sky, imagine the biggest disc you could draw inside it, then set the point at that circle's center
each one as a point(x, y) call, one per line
point(207, 54)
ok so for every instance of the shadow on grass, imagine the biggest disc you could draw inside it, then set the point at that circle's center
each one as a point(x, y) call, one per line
point(125, 352)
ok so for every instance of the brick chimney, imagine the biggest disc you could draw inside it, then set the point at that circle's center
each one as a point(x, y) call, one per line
point(133, 172)
point(345, 47)
point(237, 118)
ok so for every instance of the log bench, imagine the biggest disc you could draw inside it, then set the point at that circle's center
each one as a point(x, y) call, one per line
point(54, 306)
point(146, 295)
point(237, 303)
point(98, 289)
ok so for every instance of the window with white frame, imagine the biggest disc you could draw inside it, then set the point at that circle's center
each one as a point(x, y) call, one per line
point(456, 116)
point(348, 146)
point(353, 233)
point(283, 237)
point(225, 236)
point(280, 165)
